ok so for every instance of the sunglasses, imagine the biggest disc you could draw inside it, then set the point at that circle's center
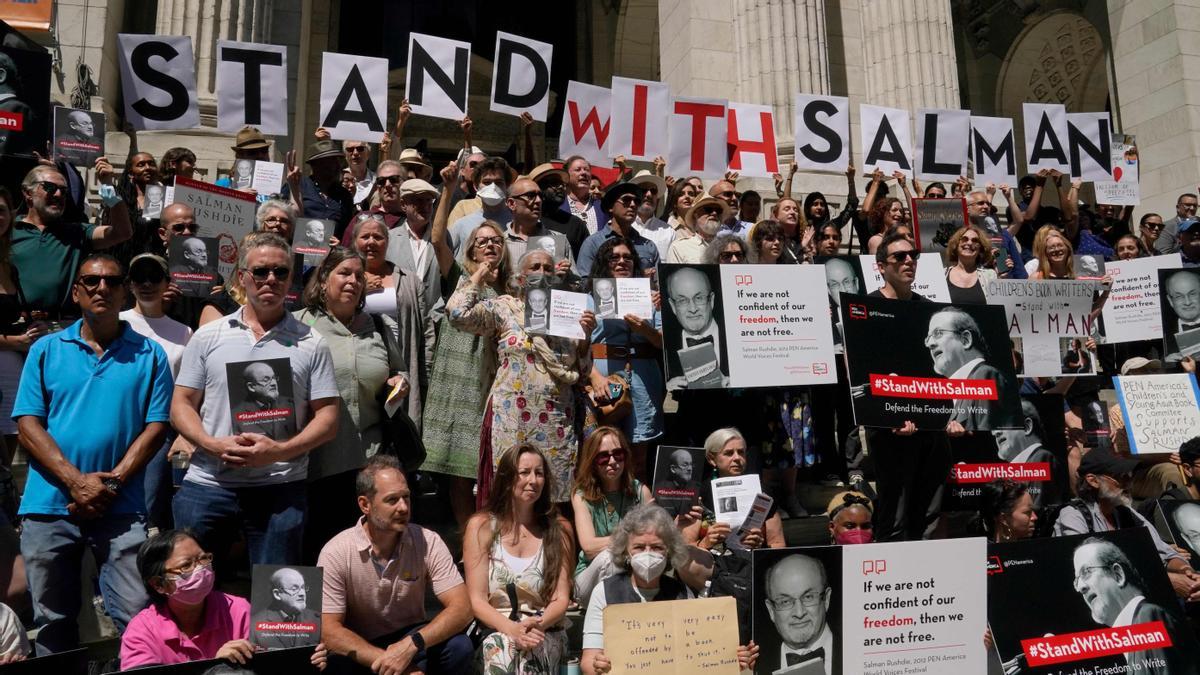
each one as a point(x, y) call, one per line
point(603, 458)
point(91, 282)
point(51, 189)
point(1152, 226)
point(901, 256)
point(628, 200)
point(389, 180)
point(261, 274)
point(150, 276)
point(529, 197)
point(730, 256)
point(181, 228)
point(357, 148)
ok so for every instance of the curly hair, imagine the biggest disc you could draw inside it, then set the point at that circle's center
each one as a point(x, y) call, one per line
point(712, 252)
point(879, 213)
point(167, 164)
point(986, 254)
point(647, 519)
point(586, 481)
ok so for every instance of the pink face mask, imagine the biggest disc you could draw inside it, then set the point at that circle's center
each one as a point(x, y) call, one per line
point(195, 587)
point(847, 537)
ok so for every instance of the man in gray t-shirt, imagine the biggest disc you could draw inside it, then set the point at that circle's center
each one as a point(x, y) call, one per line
point(250, 480)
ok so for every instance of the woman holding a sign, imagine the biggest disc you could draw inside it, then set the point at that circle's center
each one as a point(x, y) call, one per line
point(532, 400)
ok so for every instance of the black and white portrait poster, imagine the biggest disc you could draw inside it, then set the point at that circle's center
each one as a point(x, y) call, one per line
point(220, 212)
point(1179, 523)
point(156, 200)
point(677, 473)
point(241, 176)
point(929, 363)
point(877, 609)
point(312, 239)
point(285, 606)
point(1076, 357)
point(78, 135)
point(843, 274)
point(1104, 605)
point(1040, 314)
point(261, 399)
point(615, 298)
point(934, 220)
point(1089, 267)
point(1180, 308)
point(1034, 453)
point(193, 264)
point(746, 326)
point(24, 100)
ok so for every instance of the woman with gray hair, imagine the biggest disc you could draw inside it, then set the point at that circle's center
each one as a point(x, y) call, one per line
point(278, 216)
point(725, 450)
point(726, 248)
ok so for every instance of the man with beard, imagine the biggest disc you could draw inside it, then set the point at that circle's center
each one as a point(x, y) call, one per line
point(798, 598)
point(703, 219)
point(647, 223)
point(620, 203)
point(1116, 595)
point(1187, 524)
point(388, 177)
point(47, 251)
point(289, 604)
point(375, 576)
point(553, 182)
point(692, 300)
point(1104, 505)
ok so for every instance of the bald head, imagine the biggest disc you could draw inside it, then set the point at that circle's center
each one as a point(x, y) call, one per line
point(526, 211)
point(289, 590)
point(261, 383)
point(797, 599)
point(726, 192)
point(691, 298)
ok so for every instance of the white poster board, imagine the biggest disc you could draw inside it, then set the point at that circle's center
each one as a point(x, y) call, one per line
point(1132, 311)
point(1160, 411)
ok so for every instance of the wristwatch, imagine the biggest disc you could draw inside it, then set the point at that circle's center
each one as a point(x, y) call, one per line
point(418, 641)
point(114, 486)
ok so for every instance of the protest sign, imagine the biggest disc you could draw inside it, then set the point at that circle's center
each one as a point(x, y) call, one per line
point(285, 606)
point(1179, 312)
point(78, 136)
point(155, 200)
point(928, 363)
point(746, 326)
point(438, 75)
point(1089, 617)
point(521, 76)
point(943, 141)
point(354, 96)
point(929, 282)
point(1133, 309)
point(733, 496)
point(614, 298)
point(1031, 453)
point(677, 473)
point(1089, 267)
point(680, 637)
point(1048, 324)
point(192, 262)
point(241, 176)
point(222, 213)
point(843, 274)
point(1089, 145)
point(566, 308)
point(935, 220)
point(697, 130)
point(822, 128)
point(158, 76)
point(252, 87)
point(993, 151)
point(1122, 187)
point(871, 610)
point(1161, 411)
point(1178, 522)
point(751, 140)
point(1046, 137)
point(267, 178)
point(586, 123)
point(640, 110)
point(312, 239)
point(261, 398)
point(886, 140)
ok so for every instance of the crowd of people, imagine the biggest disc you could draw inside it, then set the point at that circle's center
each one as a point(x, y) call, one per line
point(310, 421)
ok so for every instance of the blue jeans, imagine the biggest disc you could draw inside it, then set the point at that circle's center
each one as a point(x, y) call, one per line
point(271, 517)
point(159, 487)
point(53, 549)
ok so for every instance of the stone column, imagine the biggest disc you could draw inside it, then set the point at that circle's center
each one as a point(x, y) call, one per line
point(910, 60)
point(782, 50)
point(207, 23)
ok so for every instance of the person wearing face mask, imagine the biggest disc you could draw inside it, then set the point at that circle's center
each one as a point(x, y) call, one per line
point(850, 519)
point(703, 220)
point(187, 619)
point(518, 556)
point(492, 177)
point(1104, 505)
point(532, 399)
point(1006, 511)
point(552, 181)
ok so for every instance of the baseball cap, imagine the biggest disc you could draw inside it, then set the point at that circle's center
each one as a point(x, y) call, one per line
point(416, 186)
point(1189, 226)
point(147, 259)
point(1102, 462)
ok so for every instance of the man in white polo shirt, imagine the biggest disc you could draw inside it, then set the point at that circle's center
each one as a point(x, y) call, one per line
point(249, 480)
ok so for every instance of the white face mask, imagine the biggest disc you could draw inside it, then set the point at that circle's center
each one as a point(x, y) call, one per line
point(490, 194)
point(648, 565)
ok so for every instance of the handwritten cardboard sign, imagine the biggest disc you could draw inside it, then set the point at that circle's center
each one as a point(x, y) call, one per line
point(678, 636)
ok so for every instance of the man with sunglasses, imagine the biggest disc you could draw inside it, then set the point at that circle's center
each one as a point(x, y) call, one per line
point(248, 481)
point(1104, 504)
point(92, 409)
point(47, 250)
point(525, 203)
point(647, 223)
point(321, 193)
point(727, 192)
point(620, 203)
point(703, 220)
point(357, 153)
point(553, 182)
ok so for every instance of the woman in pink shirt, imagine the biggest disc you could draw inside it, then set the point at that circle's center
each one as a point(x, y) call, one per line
point(187, 620)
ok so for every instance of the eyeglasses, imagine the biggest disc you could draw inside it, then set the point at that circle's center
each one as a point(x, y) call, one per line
point(1085, 573)
point(809, 599)
point(900, 257)
point(529, 197)
point(1188, 207)
point(181, 228)
point(730, 256)
point(293, 590)
point(937, 333)
point(389, 180)
point(202, 560)
point(52, 189)
point(91, 282)
point(261, 274)
point(603, 458)
point(357, 148)
point(628, 200)
point(726, 194)
point(277, 220)
point(484, 242)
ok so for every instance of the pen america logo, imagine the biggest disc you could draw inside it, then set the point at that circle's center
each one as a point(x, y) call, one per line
point(858, 311)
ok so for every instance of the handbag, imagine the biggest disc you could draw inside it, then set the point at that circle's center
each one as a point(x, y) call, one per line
point(617, 408)
point(400, 436)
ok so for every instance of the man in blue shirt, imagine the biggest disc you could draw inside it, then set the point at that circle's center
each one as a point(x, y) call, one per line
point(321, 193)
point(620, 204)
point(92, 409)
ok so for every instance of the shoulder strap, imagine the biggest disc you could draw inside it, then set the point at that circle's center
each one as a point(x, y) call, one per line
point(388, 338)
point(1084, 511)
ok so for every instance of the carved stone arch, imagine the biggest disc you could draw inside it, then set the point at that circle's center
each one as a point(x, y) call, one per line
point(635, 47)
point(1060, 58)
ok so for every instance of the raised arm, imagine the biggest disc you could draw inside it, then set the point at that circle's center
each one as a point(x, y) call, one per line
point(527, 129)
point(1070, 208)
point(118, 228)
point(441, 220)
point(872, 193)
point(787, 185)
point(1015, 216)
point(398, 133)
point(1035, 200)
